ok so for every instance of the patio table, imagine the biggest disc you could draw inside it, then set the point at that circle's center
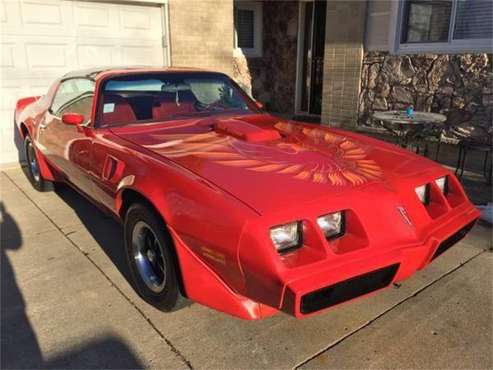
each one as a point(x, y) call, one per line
point(412, 128)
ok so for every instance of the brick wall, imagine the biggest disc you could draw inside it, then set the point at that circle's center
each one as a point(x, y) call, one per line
point(344, 37)
point(201, 34)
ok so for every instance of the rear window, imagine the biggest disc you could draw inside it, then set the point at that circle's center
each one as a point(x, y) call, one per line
point(167, 96)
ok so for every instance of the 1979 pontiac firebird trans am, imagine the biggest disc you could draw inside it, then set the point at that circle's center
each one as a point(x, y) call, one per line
point(234, 208)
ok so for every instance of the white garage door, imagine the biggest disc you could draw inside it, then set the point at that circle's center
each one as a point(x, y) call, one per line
point(43, 39)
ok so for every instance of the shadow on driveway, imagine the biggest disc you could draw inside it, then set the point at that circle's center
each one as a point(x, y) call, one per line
point(105, 230)
point(19, 344)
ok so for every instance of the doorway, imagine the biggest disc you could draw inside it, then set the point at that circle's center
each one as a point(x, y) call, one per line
point(311, 36)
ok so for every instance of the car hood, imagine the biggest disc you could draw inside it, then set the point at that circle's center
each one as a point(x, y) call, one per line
point(269, 163)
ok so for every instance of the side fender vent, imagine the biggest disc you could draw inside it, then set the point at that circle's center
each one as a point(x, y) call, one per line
point(113, 169)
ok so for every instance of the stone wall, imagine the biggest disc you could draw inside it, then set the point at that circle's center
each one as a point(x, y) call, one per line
point(271, 78)
point(457, 85)
point(201, 33)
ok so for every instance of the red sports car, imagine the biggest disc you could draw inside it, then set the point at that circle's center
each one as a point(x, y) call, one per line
point(232, 207)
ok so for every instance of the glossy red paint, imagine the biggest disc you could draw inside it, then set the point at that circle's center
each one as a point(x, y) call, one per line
point(221, 182)
point(73, 119)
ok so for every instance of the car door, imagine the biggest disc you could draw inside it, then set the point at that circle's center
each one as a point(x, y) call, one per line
point(68, 147)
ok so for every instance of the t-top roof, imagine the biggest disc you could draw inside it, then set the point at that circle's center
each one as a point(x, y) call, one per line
point(95, 71)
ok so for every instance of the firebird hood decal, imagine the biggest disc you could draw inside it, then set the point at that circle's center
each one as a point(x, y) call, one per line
point(306, 163)
point(343, 162)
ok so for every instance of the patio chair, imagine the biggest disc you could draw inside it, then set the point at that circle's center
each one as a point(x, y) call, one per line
point(430, 134)
point(469, 145)
point(446, 136)
point(474, 138)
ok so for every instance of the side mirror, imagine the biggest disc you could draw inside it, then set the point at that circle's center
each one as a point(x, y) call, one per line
point(72, 119)
point(259, 105)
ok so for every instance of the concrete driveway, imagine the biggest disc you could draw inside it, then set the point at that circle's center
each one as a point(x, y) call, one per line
point(66, 303)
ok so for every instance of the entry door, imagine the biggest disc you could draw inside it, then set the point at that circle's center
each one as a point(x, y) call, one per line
point(312, 60)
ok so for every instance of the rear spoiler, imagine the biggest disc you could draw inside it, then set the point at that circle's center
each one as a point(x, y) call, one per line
point(23, 103)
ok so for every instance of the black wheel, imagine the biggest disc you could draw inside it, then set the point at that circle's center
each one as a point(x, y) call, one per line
point(32, 168)
point(151, 259)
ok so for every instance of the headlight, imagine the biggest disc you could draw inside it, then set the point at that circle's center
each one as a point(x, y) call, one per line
point(442, 184)
point(286, 236)
point(332, 224)
point(423, 193)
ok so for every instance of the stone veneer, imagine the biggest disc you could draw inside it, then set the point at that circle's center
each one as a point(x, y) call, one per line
point(457, 85)
point(271, 78)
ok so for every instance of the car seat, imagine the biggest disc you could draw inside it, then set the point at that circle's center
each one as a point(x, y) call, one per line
point(174, 103)
point(117, 110)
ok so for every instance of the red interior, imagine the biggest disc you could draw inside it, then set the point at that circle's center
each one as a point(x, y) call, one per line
point(170, 104)
point(122, 112)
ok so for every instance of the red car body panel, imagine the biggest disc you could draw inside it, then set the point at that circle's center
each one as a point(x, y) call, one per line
point(221, 182)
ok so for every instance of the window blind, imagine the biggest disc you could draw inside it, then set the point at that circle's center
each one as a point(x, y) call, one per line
point(474, 19)
point(245, 28)
point(427, 21)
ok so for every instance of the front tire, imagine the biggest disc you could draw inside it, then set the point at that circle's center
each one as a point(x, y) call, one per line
point(32, 170)
point(151, 259)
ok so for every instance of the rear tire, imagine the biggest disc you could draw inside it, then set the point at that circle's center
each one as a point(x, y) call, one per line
point(32, 169)
point(151, 259)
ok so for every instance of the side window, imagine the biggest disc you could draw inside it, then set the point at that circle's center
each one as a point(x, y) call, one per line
point(74, 96)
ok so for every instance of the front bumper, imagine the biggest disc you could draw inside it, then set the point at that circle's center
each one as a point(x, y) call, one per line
point(359, 277)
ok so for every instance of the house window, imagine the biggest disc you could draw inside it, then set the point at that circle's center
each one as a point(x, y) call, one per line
point(444, 26)
point(248, 28)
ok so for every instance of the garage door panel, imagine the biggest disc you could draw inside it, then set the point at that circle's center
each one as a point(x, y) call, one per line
point(7, 55)
point(92, 15)
point(9, 92)
point(43, 39)
point(44, 17)
point(41, 12)
point(34, 18)
point(140, 20)
point(13, 57)
point(9, 12)
point(94, 55)
point(3, 12)
point(46, 55)
point(12, 90)
point(138, 55)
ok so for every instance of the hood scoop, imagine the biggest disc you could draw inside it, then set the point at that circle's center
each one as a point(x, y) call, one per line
point(246, 131)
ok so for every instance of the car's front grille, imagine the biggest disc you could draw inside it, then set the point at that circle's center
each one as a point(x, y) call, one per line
point(348, 289)
point(453, 239)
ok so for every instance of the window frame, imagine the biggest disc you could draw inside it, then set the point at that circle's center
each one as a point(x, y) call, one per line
point(450, 47)
point(56, 114)
point(99, 103)
point(257, 8)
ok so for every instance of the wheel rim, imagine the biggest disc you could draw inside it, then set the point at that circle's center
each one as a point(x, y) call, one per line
point(149, 257)
point(33, 162)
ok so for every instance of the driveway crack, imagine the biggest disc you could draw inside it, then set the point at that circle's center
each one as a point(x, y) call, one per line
point(369, 322)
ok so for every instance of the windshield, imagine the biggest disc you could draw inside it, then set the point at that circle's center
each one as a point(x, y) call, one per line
point(164, 96)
